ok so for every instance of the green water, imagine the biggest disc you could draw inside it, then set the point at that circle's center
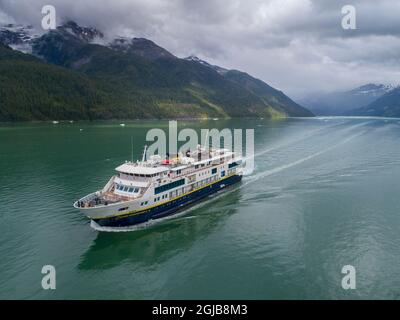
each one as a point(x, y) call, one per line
point(324, 194)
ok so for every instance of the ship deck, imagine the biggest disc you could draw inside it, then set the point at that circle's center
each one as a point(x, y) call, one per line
point(106, 199)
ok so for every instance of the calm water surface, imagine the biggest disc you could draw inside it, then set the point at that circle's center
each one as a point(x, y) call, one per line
point(324, 194)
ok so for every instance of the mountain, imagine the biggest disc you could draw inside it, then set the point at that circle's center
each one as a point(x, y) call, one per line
point(276, 99)
point(342, 103)
point(31, 89)
point(141, 47)
point(387, 105)
point(131, 78)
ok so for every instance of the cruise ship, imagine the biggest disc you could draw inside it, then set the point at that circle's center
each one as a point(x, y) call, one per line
point(158, 187)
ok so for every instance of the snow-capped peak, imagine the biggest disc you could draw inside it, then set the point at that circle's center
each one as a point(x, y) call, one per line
point(18, 37)
point(373, 89)
point(197, 59)
point(87, 34)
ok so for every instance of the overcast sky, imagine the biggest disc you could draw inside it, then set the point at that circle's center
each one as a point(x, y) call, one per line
point(298, 46)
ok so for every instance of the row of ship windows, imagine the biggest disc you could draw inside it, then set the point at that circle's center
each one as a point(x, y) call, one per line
point(123, 188)
point(178, 172)
point(168, 186)
point(139, 175)
point(205, 181)
point(213, 171)
point(165, 196)
point(201, 165)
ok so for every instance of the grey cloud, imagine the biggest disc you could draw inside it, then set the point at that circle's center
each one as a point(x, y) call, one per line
point(296, 45)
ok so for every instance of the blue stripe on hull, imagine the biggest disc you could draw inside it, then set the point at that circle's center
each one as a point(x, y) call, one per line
point(170, 207)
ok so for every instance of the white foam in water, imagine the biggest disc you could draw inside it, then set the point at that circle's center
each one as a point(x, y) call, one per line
point(306, 136)
point(135, 227)
point(249, 172)
point(297, 162)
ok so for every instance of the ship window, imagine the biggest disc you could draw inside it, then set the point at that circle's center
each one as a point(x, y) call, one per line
point(214, 171)
point(146, 202)
point(233, 164)
point(125, 189)
point(130, 190)
point(168, 186)
point(136, 190)
point(123, 209)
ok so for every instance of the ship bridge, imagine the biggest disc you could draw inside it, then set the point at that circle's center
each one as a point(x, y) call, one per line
point(132, 169)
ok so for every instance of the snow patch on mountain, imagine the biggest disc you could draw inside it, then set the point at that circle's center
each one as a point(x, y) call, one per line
point(196, 59)
point(373, 89)
point(18, 37)
point(87, 34)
